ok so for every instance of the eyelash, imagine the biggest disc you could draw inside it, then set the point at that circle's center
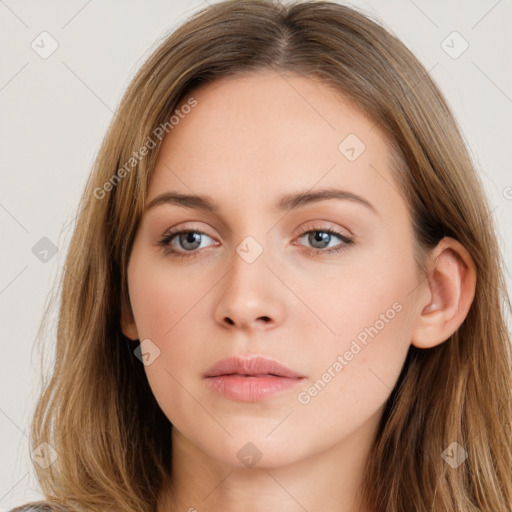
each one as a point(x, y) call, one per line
point(165, 242)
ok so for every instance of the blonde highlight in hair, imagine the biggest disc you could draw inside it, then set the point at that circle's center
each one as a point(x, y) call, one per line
point(98, 411)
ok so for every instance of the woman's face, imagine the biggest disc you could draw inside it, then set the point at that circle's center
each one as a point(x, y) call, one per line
point(255, 276)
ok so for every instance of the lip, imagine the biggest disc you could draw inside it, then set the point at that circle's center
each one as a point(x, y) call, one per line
point(250, 379)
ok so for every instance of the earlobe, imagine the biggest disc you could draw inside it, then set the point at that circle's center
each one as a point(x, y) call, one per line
point(450, 288)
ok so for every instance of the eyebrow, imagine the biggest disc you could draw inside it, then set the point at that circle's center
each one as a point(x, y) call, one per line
point(285, 203)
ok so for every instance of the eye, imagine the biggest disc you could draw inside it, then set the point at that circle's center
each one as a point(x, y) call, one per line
point(188, 240)
point(320, 238)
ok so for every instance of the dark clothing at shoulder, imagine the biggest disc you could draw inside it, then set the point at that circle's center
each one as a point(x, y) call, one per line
point(25, 508)
point(37, 507)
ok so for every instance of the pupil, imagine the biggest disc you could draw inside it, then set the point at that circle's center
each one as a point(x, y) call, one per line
point(321, 236)
point(189, 239)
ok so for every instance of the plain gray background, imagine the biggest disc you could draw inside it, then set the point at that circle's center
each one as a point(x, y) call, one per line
point(55, 111)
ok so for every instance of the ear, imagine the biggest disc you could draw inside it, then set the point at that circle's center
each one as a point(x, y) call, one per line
point(128, 327)
point(449, 290)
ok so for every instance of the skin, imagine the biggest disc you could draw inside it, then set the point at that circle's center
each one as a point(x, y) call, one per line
point(249, 141)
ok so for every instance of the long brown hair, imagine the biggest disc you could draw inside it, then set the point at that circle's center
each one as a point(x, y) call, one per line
point(97, 410)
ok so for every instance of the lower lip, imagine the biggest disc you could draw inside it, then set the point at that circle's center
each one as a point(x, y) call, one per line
point(250, 389)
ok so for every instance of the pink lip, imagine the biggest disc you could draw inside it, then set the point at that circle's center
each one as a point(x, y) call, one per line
point(250, 380)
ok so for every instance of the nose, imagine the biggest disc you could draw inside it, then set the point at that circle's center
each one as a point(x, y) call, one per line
point(251, 296)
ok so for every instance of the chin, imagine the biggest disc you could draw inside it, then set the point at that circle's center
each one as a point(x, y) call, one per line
point(250, 449)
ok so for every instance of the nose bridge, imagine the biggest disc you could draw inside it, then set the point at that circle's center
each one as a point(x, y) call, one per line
point(249, 273)
point(250, 249)
point(249, 293)
point(253, 238)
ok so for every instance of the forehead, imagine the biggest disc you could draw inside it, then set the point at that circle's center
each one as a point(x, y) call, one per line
point(269, 132)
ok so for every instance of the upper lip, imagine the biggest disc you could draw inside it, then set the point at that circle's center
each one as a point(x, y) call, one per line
point(257, 365)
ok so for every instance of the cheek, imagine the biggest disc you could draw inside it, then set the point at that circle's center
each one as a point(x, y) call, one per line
point(362, 362)
point(167, 302)
point(356, 370)
point(368, 311)
point(163, 295)
point(366, 297)
point(164, 302)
